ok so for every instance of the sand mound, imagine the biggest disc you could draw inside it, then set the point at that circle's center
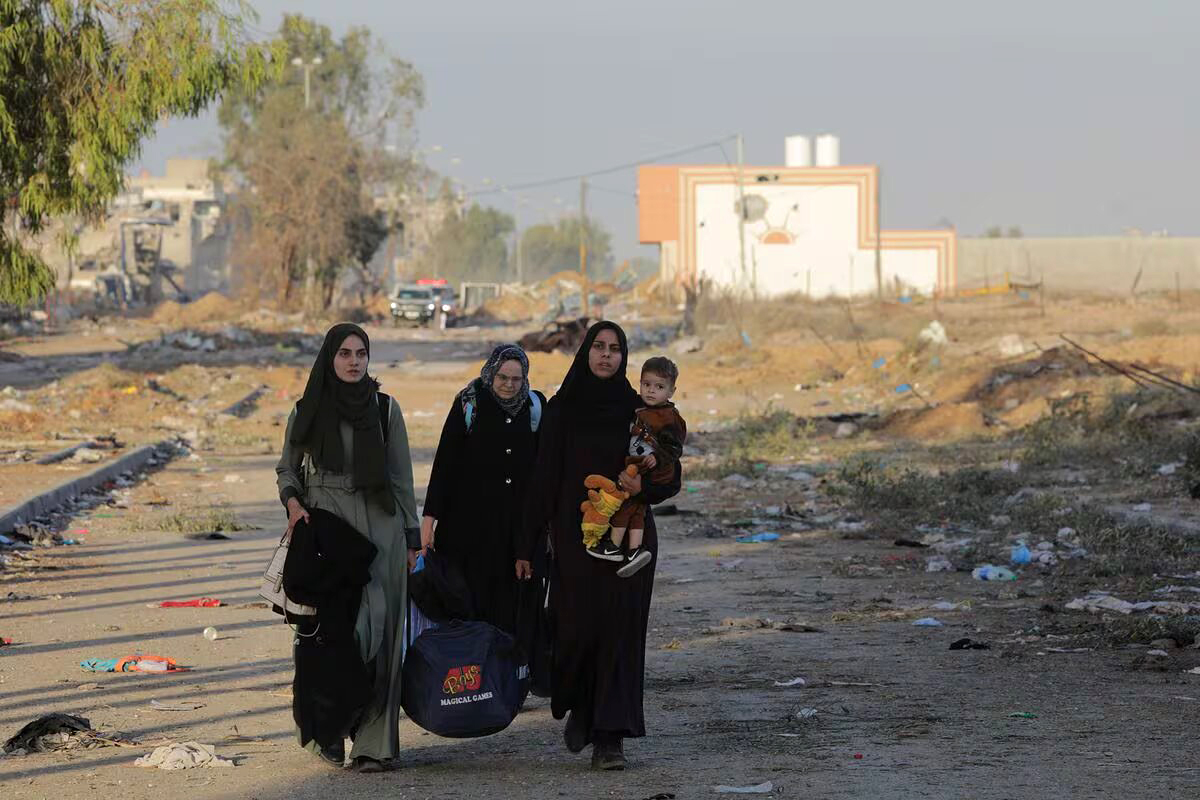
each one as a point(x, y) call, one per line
point(950, 421)
point(212, 307)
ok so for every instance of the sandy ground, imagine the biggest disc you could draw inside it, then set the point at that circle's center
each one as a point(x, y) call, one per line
point(898, 714)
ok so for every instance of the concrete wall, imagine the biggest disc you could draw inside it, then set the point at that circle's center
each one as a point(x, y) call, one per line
point(808, 239)
point(1100, 264)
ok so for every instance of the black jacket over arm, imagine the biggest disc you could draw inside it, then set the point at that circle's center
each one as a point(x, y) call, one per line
point(328, 564)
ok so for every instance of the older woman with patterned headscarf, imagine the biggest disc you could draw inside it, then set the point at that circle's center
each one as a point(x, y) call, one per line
point(476, 493)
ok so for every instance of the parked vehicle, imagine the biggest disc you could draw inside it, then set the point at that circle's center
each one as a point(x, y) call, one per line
point(415, 305)
point(447, 304)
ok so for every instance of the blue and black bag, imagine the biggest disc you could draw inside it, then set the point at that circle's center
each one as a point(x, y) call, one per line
point(464, 679)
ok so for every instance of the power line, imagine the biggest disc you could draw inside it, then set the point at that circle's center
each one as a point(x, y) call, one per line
point(606, 171)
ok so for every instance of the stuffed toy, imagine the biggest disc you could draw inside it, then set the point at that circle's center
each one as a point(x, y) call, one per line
point(604, 498)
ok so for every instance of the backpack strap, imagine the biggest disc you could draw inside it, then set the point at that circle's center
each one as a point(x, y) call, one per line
point(469, 413)
point(385, 406)
point(535, 411)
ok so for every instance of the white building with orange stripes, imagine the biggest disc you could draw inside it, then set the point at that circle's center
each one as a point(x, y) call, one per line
point(807, 229)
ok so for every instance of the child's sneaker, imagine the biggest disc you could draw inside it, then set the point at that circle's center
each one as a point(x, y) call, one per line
point(605, 550)
point(637, 559)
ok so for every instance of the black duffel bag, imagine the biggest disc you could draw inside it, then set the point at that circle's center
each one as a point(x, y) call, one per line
point(464, 679)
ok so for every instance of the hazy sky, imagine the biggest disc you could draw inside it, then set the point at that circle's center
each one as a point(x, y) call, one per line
point(1060, 117)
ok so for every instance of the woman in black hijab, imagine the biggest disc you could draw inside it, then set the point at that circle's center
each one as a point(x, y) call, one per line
point(476, 494)
point(600, 619)
point(346, 451)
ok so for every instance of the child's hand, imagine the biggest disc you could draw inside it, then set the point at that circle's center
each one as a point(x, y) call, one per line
point(649, 461)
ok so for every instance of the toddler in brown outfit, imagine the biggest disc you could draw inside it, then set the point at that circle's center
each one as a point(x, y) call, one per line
point(655, 445)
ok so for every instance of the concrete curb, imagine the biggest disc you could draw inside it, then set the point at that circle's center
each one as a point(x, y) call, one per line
point(41, 504)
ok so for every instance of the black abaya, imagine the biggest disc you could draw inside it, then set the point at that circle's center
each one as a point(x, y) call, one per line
point(476, 493)
point(600, 619)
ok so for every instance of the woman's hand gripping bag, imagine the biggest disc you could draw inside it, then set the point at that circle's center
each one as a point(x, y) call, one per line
point(464, 679)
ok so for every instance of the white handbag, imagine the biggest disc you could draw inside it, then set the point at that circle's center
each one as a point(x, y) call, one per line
point(272, 585)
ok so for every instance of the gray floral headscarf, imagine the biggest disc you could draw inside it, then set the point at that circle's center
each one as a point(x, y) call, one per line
point(487, 375)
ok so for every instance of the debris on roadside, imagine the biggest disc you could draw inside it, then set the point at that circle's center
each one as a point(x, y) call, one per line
point(53, 732)
point(761, 623)
point(135, 663)
point(969, 644)
point(1097, 602)
point(183, 705)
point(199, 602)
point(988, 572)
point(761, 788)
point(183, 755)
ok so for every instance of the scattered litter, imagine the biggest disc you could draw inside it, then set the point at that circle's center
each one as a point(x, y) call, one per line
point(969, 644)
point(199, 602)
point(211, 634)
point(5, 641)
point(762, 788)
point(184, 755)
point(792, 682)
point(183, 705)
point(1011, 346)
point(802, 476)
point(938, 564)
point(683, 580)
point(1023, 715)
point(879, 363)
point(138, 663)
point(58, 732)
point(1141, 508)
point(758, 537)
point(845, 430)
point(944, 606)
point(1169, 469)
point(1020, 554)
point(759, 623)
point(928, 622)
point(806, 713)
point(987, 572)
point(1192, 671)
point(934, 333)
point(1068, 649)
point(858, 756)
point(234, 478)
point(909, 543)
point(1157, 653)
point(1096, 602)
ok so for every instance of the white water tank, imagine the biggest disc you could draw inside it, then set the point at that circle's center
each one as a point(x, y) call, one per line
point(828, 150)
point(797, 151)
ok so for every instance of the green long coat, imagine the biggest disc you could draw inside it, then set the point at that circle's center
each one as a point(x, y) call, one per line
point(384, 609)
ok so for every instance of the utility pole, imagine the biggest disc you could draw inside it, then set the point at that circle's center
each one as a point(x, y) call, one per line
point(583, 242)
point(742, 211)
point(878, 236)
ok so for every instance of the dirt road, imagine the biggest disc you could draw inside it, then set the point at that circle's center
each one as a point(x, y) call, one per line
point(928, 723)
point(886, 708)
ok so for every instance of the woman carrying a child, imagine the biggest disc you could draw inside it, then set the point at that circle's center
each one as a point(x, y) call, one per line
point(600, 617)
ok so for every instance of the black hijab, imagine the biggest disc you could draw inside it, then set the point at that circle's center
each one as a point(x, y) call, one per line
point(327, 401)
point(598, 399)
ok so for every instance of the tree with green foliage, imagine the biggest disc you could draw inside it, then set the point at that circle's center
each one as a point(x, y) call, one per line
point(308, 174)
point(82, 84)
point(547, 249)
point(470, 245)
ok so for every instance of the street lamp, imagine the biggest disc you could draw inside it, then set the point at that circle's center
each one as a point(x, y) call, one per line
point(307, 66)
